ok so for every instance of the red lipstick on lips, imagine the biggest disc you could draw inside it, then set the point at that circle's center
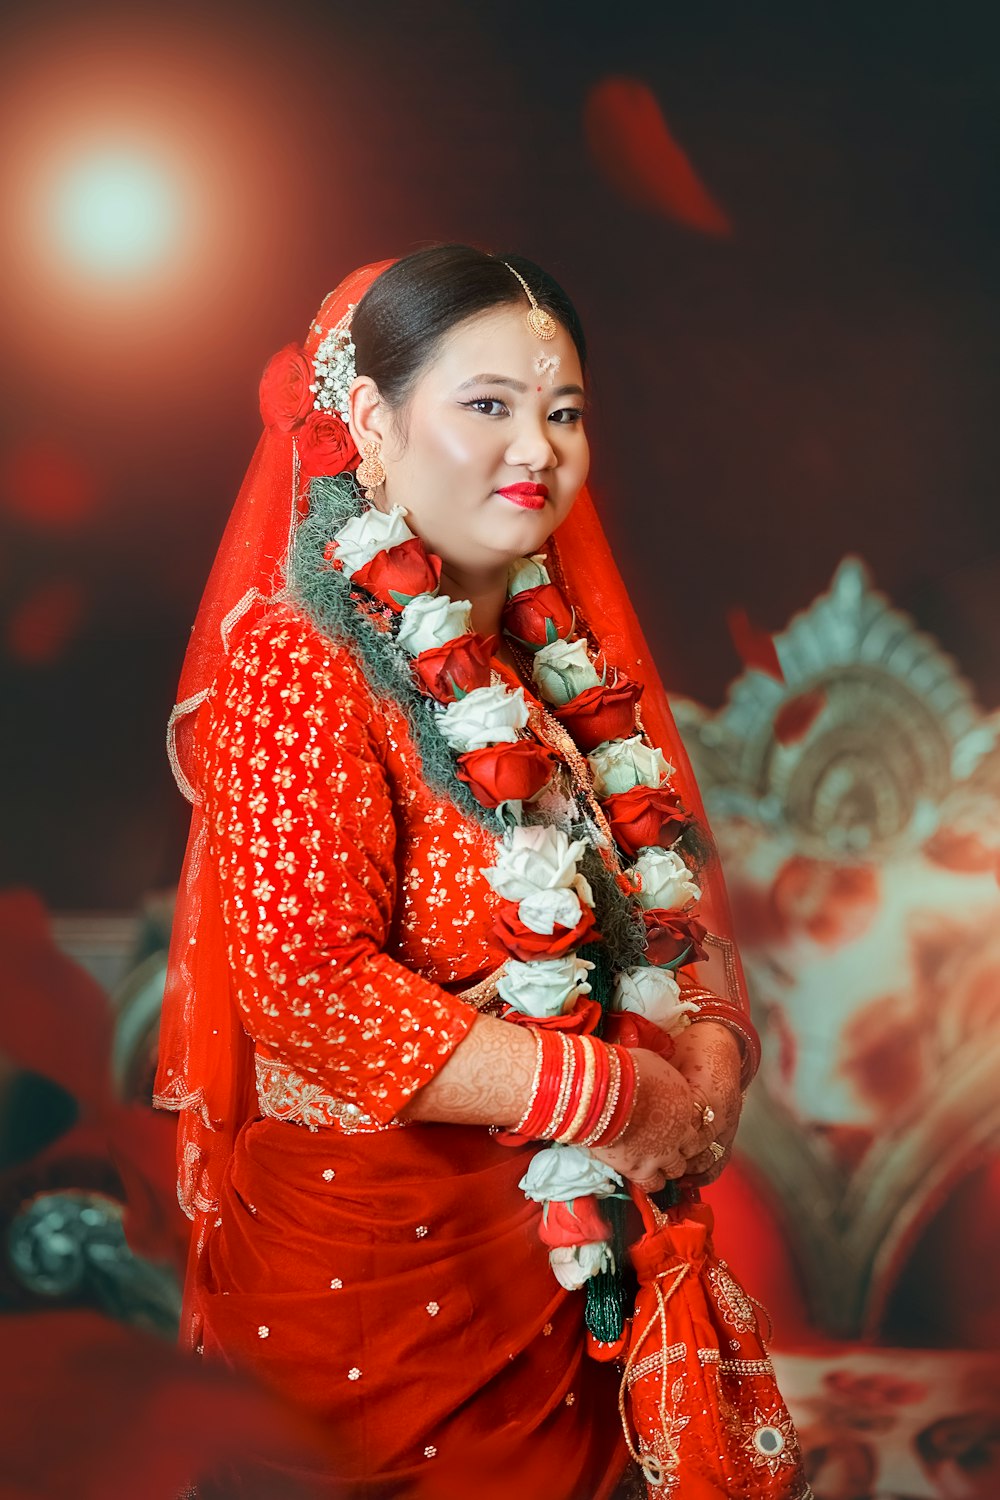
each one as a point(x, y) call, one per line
point(531, 496)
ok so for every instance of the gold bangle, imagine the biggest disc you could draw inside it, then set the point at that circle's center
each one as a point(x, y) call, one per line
point(611, 1103)
point(586, 1092)
point(565, 1087)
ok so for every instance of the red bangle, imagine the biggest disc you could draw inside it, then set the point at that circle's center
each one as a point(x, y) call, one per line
point(582, 1091)
point(549, 1057)
point(605, 1077)
point(574, 1098)
point(622, 1112)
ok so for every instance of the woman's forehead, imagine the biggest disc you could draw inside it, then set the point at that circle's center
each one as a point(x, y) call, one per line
point(499, 342)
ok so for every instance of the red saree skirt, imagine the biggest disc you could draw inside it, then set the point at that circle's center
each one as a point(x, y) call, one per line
point(393, 1286)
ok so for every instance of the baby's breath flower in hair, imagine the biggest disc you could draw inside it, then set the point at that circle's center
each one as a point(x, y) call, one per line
point(334, 368)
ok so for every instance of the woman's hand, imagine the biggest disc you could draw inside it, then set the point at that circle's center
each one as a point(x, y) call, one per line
point(708, 1057)
point(665, 1132)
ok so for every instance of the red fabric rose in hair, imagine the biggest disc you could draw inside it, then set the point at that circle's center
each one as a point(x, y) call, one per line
point(285, 397)
point(326, 446)
point(527, 615)
point(524, 944)
point(646, 817)
point(579, 1222)
point(601, 713)
point(505, 773)
point(463, 663)
point(397, 574)
point(669, 935)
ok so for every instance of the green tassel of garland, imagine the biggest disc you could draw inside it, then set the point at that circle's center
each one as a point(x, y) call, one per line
point(605, 1311)
point(600, 978)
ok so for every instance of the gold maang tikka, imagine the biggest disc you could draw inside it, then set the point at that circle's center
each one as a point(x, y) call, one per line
point(541, 323)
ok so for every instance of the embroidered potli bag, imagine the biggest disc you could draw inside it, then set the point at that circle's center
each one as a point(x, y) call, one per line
point(699, 1403)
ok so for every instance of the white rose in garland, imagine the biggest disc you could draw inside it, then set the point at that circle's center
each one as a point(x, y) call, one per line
point(619, 765)
point(433, 620)
point(527, 573)
point(544, 987)
point(486, 716)
point(563, 670)
point(655, 994)
point(574, 1265)
point(662, 880)
point(542, 910)
point(534, 859)
point(559, 1174)
point(360, 538)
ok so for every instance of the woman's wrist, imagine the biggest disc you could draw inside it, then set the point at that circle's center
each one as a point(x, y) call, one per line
point(740, 1027)
point(487, 1080)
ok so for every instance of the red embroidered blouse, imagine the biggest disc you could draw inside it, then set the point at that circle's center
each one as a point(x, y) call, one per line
point(352, 893)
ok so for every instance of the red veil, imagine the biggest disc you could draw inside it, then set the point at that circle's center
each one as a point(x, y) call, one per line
point(206, 1058)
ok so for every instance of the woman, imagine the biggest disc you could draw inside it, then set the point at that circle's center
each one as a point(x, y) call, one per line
point(419, 779)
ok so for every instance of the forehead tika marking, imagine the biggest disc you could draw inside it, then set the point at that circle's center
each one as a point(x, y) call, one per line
point(548, 364)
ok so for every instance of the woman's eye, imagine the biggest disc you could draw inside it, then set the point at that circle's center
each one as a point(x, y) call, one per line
point(482, 402)
point(567, 414)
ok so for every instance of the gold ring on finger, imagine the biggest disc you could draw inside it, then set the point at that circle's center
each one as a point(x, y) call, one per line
point(718, 1152)
point(705, 1111)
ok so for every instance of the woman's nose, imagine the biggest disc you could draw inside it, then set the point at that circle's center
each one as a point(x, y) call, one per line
point(531, 449)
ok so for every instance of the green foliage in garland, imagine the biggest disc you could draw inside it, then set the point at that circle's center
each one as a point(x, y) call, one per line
point(618, 920)
point(324, 593)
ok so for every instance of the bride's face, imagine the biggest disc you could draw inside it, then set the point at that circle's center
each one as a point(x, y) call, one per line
point(497, 407)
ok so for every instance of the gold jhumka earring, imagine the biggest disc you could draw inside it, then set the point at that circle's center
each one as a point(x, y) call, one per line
point(370, 472)
point(541, 323)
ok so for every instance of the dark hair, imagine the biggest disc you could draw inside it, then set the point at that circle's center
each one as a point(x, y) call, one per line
point(400, 321)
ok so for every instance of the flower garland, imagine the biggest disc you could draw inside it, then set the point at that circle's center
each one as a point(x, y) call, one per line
point(546, 911)
point(416, 637)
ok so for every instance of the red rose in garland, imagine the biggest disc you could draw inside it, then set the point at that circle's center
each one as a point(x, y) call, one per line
point(397, 574)
point(606, 712)
point(627, 1029)
point(285, 397)
point(537, 617)
point(505, 773)
point(524, 944)
point(326, 446)
point(669, 936)
point(463, 663)
point(582, 1020)
point(646, 817)
point(578, 1222)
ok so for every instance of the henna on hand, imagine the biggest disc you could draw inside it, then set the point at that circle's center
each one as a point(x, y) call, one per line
point(486, 1081)
point(662, 1134)
point(708, 1056)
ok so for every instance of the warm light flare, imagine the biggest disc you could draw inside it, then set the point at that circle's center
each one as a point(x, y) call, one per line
point(146, 186)
point(115, 211)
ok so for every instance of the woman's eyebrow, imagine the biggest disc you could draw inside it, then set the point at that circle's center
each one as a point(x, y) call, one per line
point(507, 380)
point(518, 385)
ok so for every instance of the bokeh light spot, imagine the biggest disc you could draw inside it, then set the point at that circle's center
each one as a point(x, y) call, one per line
point(42, 625)
point(115, 211)
point(46, 486)
point(633, 148)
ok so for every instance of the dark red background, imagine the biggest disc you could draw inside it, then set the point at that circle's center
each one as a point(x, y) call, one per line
point(822, 381)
